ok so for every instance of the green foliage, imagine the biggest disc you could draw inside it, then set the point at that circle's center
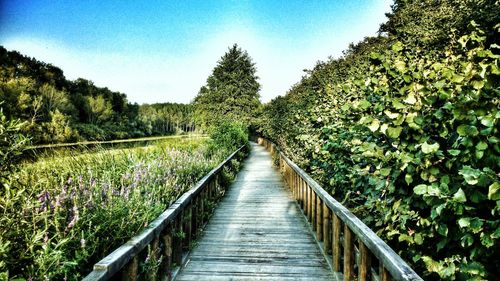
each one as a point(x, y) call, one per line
point(408, 139)
point(231, 92)
point(228, 136)
point(63, 213)
point(57, 110)
point(12, 146)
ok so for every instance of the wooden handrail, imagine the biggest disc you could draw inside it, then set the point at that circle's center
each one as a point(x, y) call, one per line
point(185, 216)
point(327, 215)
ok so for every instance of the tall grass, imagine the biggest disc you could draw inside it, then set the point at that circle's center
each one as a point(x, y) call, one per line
point(63, 213)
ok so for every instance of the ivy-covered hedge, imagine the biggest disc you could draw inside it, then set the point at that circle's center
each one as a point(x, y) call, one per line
point(411, 143)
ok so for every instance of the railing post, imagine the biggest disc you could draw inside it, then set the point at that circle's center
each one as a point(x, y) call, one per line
point(313, 212)
point(384, 274)
point(153, 256)
point(130, 271)
point(319, 219)
point(364, 263)
point(326, 228)
point(348, 254)
point(167, 251)
point(309, 203)
point(336, 243)
point(187, 226)
point(177, 243)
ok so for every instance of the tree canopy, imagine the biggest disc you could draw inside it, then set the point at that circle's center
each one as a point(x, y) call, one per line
point(231, 92)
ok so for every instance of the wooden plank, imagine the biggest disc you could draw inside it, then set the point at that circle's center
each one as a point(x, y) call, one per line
point(348, 254)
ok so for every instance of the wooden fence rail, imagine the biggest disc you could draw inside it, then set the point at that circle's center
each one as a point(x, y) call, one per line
point(160, 247)
point(356, 252)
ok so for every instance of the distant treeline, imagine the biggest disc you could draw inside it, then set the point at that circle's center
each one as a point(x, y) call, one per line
point(56, 110)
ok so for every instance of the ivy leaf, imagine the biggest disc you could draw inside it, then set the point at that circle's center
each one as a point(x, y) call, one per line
point(385, 172)
point(364, 104)
point(482, 145)
point(394, 132)
point(410, 99)
point(397, 47)
point(459, 196)
point(454, 152)
point(374, 125)
point(467, 130)
point(464, 222)
point(430, 148)
point(470, 175)
point(487, 121)
point(408, 179)
point(494, 191)
point(478, 85)
point(400, 66)
point(420, 189)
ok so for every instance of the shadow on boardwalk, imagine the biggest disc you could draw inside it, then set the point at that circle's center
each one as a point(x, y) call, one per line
point(257, 232)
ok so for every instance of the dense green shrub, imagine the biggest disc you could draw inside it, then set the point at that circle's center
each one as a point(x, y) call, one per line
point(228, 135)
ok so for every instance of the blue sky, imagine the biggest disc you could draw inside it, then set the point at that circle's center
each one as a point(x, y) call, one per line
point(159, 51)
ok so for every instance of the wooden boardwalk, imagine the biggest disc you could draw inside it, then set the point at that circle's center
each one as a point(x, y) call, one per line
point(257, 232)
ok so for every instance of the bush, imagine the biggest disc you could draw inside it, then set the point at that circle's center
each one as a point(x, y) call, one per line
point(229, 136)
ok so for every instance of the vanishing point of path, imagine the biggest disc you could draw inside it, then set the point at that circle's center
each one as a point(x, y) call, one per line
point(257, 232)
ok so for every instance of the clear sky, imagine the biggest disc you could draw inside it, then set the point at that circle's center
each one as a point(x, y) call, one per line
point(159, 51)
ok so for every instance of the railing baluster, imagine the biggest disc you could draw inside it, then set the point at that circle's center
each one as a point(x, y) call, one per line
point(153, 256)
point(167, 251)
point(384, 274)
point(326, 229)
point(348, 254)
point(364, 263)
point(313, 212)
point(177, 244)
point(309, 203)
point(319, 219)
point(336, 225)
point(188, 223)
point(130, 271)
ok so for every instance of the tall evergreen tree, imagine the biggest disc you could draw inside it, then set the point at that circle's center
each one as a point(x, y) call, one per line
point(231, 92)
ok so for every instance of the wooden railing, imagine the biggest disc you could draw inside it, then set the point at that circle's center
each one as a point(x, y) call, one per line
point(164, 244)
point(354, 250)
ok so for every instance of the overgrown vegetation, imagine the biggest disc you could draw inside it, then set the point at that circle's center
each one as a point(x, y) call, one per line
point(404, 130)
point(61, 214)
